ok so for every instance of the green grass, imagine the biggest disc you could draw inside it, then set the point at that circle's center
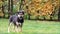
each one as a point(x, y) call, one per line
point(33, 27)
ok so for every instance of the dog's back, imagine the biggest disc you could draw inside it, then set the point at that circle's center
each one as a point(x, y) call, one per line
point(13, 18)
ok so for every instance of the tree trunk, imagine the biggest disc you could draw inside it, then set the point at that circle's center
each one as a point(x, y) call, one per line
point(10, 7)
point(3, 9)
point(44, 17)
point(28, 13)
point(28, 16)
point(59, 14)
point(51, 17)
point(38, 15)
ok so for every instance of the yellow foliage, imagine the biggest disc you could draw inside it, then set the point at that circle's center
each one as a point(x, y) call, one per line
point(1, 13)
point(44, 8)
point(1, 3)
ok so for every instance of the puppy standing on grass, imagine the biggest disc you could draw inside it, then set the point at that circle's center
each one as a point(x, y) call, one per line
point(17, 20)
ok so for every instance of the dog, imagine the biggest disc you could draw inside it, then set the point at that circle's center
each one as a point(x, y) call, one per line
point(17, 20)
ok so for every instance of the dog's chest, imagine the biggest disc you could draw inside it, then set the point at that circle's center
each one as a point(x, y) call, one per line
point(20, 19)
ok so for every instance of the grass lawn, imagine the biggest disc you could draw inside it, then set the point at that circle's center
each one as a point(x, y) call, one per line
point(33, 27)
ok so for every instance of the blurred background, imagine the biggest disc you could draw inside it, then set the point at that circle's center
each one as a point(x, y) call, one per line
point(34, 9)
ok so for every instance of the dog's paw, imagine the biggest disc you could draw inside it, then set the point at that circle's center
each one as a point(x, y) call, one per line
point(8, 31)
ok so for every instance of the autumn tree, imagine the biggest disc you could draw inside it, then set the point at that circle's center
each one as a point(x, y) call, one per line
point(1, 8)
point(59, 11)
point(42, 7)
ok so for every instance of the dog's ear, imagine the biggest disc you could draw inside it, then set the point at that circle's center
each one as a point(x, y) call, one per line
point(21, 11)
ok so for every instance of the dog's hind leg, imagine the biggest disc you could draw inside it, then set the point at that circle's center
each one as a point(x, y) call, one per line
point(13, 28)
point(9, 27)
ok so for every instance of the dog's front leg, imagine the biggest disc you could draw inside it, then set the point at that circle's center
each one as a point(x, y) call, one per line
point(17, 23)
point(8, 29)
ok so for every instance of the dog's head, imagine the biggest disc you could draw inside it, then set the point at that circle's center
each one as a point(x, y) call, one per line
point(21, 14)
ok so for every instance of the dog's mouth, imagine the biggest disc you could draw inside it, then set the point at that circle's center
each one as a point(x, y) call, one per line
point(20, 17)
